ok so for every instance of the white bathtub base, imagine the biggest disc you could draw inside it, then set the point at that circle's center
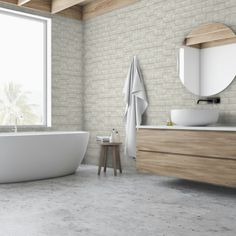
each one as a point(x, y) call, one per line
point(35, 156)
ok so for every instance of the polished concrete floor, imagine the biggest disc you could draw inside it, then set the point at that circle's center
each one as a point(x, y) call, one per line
point(131, 205)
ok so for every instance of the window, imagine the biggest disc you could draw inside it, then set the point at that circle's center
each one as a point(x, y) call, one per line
point(25, 69)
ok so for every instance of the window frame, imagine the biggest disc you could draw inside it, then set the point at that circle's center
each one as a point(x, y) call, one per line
point(47, 100)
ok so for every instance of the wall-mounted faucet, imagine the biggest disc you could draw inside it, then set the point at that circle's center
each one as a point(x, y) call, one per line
point(213, 100)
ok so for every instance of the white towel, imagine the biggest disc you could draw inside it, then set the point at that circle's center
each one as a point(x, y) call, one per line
point(136, 104)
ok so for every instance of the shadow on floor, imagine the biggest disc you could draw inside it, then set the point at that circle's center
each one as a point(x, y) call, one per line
point(187, 185)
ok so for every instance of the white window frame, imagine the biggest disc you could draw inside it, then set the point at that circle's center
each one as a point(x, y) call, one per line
point(47, 121)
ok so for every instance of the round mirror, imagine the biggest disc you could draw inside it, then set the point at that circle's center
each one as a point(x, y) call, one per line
point(207, 62)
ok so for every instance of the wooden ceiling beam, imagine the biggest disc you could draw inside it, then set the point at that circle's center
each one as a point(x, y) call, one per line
point(99, 7)
point(74, 12)
point(60, 5)
point(9, 1)
point(76, 9)
point(22, 2)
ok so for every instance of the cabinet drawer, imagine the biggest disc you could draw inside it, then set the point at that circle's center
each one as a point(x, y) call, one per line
point(199, 143)
point(210, 170)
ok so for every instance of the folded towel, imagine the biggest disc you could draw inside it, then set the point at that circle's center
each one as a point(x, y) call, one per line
point(103, 138)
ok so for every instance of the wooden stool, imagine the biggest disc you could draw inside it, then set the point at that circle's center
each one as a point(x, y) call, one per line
point(115, 157)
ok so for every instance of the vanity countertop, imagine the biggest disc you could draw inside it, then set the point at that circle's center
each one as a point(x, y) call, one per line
point(203, 128)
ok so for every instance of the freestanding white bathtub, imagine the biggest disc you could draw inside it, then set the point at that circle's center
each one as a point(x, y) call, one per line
point(40, 155)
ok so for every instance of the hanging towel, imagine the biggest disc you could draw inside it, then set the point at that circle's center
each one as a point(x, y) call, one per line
point(136, 104)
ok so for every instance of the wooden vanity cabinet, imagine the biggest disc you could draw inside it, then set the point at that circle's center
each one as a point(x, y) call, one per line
point(206, 156)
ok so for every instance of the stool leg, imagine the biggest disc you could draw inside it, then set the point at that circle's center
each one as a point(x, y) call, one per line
point(105, 159)
point(101, 159)
point(118, 158)
point(114, 159)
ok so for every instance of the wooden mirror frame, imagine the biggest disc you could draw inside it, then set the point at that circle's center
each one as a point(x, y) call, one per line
point(210, 35)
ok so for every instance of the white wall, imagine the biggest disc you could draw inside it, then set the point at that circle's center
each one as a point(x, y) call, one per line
point(153, 30)
point(88, 73)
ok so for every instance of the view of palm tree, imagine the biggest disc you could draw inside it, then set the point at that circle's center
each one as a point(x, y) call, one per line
point(14, 104)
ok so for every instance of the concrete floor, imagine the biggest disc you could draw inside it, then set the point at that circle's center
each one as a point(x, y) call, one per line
point(131, 205)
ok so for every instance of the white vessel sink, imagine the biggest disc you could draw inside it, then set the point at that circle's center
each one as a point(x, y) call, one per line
point(194, 117)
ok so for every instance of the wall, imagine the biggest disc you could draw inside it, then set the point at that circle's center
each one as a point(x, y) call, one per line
point(153, 30)
point(67, 74)
point(67, 71)
point(90, 62)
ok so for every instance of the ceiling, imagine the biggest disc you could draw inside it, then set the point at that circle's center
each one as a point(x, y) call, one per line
point(77, 9)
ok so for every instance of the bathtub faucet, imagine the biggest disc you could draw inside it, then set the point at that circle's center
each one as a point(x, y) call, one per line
point(15, 125)
point(15, 129)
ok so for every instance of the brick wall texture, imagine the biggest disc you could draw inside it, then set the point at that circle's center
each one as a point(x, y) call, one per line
point(90, 61)
point(153, 30)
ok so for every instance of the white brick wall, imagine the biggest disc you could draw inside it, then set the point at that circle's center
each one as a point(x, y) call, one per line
point(152, 30)
point(67, 74)
point(90, 62)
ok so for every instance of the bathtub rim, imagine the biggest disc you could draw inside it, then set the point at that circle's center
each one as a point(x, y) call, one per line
point(40, 133)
